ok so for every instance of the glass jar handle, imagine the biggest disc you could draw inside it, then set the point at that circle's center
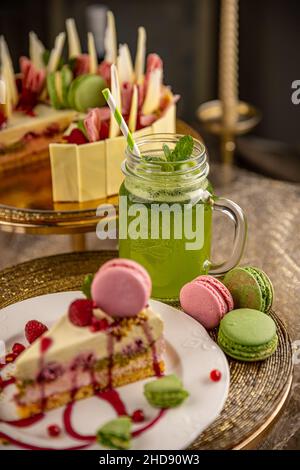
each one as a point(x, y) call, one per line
point(236, 214)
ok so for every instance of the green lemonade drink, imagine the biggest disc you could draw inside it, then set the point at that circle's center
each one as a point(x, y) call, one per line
point(165, 213)
point(171, 254)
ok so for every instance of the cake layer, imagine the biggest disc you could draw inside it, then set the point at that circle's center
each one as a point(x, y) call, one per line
point(85, 383)
point(70, 341)
point(20, 124)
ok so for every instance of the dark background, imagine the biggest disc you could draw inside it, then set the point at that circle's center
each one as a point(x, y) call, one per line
point(185, 34)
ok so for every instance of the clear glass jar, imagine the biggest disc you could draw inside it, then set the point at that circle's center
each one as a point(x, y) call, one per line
point(165, 216)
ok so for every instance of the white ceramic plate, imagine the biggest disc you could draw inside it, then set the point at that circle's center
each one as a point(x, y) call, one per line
point(190, 353)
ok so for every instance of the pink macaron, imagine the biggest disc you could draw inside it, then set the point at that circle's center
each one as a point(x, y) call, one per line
point(207, 300)
point(121, 288)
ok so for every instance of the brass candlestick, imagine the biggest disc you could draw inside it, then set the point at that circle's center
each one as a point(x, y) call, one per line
point(228, 116)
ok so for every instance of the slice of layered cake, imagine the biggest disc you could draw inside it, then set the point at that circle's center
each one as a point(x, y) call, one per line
point(112, 340)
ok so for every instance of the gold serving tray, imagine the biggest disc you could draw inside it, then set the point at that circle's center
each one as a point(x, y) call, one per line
point(258, 390)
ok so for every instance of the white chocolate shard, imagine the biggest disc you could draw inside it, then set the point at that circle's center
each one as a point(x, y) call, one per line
point(93, 61)
point(152, 98)
point(73, 38)
point(124, 64)
point(110, 39)
point(5, 99)
point(8, 72)
point(56, 52)
point(114, 129)
point(140, 55)
point(133, 110)
point(36, 51)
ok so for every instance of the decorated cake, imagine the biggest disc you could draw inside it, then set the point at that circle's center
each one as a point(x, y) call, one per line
point(59, 101)
point(28, 122)
point(88, 164)
point(100, 343)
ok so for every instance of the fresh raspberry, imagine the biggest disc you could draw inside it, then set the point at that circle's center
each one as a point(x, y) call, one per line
point(215, 375)
point(99, 324)
point(81, 312)
point(18, 348)
point(54, 430)
point(138, 416)
point(34, 329)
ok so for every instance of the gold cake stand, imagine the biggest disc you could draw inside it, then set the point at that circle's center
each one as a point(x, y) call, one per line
point(258, 391)
point(26, 204)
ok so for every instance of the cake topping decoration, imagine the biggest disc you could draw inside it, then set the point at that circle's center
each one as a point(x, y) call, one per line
point(165, 392)
point(33, 81)
point(36, 51)
point(92, 124)
point(130, 283)
point(54, 430)
point(73, 38)
point(116, 434)
point(34, 329)
point(138, 416)
point(215, 375)
point(18, 348)
point(86, 286)
point(124, 65)
point(110, 39)
point(139, 65)
point(76, 136)
point(81, 312)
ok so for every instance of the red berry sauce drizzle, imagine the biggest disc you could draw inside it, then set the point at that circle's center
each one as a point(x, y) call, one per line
point(109, 395)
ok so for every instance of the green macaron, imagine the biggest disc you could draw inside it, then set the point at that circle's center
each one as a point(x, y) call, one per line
point(247, 335)
point(250, 287)
point(165, 392)
point(85, 92)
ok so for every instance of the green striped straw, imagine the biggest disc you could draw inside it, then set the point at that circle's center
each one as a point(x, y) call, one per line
point(121, 122)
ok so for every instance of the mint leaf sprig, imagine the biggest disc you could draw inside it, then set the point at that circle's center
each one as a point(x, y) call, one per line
point(183, 151)
point(86, 286)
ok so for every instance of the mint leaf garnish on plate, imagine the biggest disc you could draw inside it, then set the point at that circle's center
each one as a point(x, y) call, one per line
point(86, 286)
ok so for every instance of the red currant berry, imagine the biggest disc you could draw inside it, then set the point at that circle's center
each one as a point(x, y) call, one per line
point(54, 430)
point(215, 375)
point(18, 348)
point(138, 416)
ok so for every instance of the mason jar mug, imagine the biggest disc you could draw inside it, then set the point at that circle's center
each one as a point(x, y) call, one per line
point(165, 216)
